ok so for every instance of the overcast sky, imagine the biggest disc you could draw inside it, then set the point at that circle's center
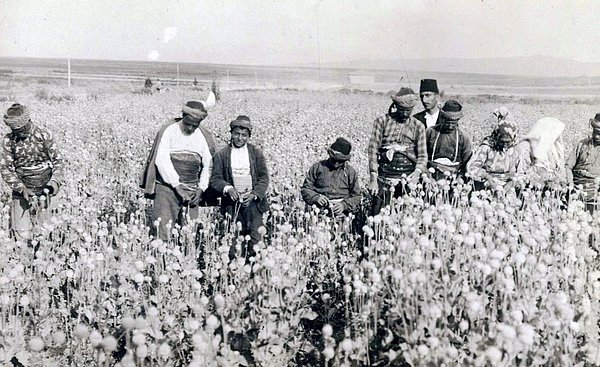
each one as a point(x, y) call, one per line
point(290, 31)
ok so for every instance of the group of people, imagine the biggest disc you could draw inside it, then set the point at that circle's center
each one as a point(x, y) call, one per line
point(186, 170)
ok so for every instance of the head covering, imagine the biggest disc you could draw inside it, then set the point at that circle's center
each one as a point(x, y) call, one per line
point(405, 98)
point(241, 121)
point(452, 110)
point(595, 122)
point(195, 109)
point(545, 140)
point(429, 85)
point(17, 116)
point(340, 149)
point(501, 113)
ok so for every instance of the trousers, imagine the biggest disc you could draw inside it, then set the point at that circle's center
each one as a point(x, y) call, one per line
point(168, 209)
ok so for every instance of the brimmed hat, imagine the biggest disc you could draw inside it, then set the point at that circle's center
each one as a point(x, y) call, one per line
point(405, 98)
point(241, 121)
point(340, 149)
point(429, 85)
point(595, 122)
point(452, 110)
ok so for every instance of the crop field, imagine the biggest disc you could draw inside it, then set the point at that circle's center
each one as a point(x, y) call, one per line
point(478, 279)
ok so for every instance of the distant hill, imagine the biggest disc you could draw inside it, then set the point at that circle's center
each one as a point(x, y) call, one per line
point(531, 66)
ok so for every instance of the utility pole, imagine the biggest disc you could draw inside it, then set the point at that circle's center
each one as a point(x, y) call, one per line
point(318, 46)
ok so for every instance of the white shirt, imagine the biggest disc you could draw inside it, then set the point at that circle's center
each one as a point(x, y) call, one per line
point(240, 169)
point(174, 141)
point(431, 119)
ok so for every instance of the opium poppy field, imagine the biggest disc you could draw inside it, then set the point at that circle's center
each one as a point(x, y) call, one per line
point(478, 279)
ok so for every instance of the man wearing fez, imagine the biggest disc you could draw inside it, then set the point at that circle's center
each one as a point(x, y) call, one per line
point(240, 173)
point(448, 148)
point(333, 183)
point(178, 169)
point(397, 149)
point(430, 97)
point(583, 165)
point(32, 167)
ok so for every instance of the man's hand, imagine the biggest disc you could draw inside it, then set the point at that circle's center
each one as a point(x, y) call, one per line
point(414, 176)
point(184, 192)
point(373, 186)
point(195, 200)
point(28, 194)
point(233, 193)
point(248, 198)
point(337, 208)
point(322, 201)
point(52, 187)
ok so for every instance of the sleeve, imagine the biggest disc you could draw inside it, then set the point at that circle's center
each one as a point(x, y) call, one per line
point(475, 165)
point(352, 202)
point(262, 183)
point(7, 167)
point(466, 153)
point(55, 157)
point(571, 162)
point(217, 179)
point(163, 161)
point(308, 190)
point(207, 166)
point(421, 148)
point(375, 144)
point(429, 141)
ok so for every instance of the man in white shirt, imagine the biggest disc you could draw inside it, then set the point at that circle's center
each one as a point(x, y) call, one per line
point(178, 169)
point(430, 97)
point(240, 173)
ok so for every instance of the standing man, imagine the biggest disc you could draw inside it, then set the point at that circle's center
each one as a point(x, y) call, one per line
point(178, 169)
point(397, 148)
point(240, 173)
point(32, 167)
point(430, 97)
point(333, 183)
point(448, 148)
point(583, 165)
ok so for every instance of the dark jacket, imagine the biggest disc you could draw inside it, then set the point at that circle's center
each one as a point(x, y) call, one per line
point(341, 183)
point(421, 117)
point(149, 174)
point(222, 176)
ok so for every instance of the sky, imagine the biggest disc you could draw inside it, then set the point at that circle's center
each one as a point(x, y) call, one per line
point(284, 32)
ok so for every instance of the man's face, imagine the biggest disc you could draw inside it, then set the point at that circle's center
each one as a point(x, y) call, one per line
point(189, 125)
point(21, 132)
point(429, 100)
point(450, 125)
point(403, 114)
point(336, 163)
point(596, 135)
point(239, 136)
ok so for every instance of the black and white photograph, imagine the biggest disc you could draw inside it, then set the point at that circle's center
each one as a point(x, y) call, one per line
point(278, 183)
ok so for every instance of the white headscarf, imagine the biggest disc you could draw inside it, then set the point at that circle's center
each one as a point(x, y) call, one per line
point(547, 147)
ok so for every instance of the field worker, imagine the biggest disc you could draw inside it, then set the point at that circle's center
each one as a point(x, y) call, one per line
point(497, 161)
point(397, 148)
point(430, 98)
point(240, 173)
point(543, 151)
point(148, 83)
point(158, 85)
point(333, 183)
point(448, 147)
point(32, 167)
point(583, 165)
point(177, 171)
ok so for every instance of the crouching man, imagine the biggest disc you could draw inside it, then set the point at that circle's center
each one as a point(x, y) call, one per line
point(333, 183)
